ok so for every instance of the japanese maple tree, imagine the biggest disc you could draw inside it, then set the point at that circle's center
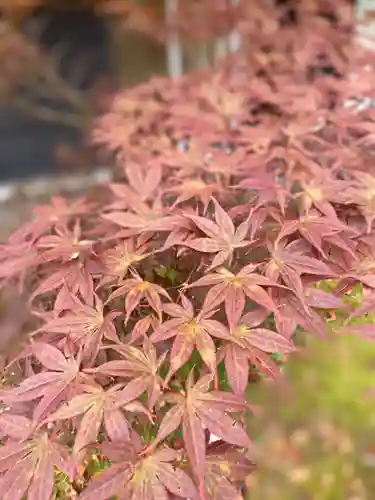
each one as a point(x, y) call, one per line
point(240, 193)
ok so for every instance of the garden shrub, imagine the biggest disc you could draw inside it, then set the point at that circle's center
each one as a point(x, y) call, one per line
point(241, 216)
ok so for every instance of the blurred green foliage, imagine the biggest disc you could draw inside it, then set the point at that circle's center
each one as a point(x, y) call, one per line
point(315, 430)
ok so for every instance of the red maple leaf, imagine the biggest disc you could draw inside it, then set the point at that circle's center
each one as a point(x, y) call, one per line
point(197, 409)
point(17, 259)
point(70, 279)
point(83, 328)
point(225, 467)
point(136, 363)
point(222, 237)
point(317, 229)
point(233, 289)
point(134, 475)
point(47, 217)
point(144, 218)
point(190, 330)
point(362, 193)
point(28, 466)
point(118, 260)
point(250, 344)
point(99, 408)
point(135, 289)
point(65, 245)
point(266, 189)
point(321, 192)
point(194, 187)
point(49, 387)
point(288, 262)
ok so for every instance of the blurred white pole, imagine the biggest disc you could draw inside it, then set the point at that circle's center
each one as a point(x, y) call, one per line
point(229, 43)
point(221, 47)
point(234, 38)
point(174, 49)
point(364, 38)
point(365, 30)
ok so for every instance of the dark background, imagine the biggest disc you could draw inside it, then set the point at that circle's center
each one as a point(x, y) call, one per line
point(28, 145)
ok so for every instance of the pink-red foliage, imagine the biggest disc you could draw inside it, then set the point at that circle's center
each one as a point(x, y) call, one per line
point(237, 191)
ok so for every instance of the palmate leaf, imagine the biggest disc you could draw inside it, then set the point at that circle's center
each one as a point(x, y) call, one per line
point(198, 409)
point(136, 289)
point(250, 346)
point(84, 326)
point(194, 187)
point(362, 194)
point(261, 338)
point(117, 261)
point(233, 289)
point(282, 157)
point(71, 278)
point(190, 330)
point(65, 245)
point(99, 407)
point(145, 477)
point(144, 219)
point(49, 387)
point(143, 183)
point(290, 313)
point(17, 259)
point(266, 188)
point(46, 217)
point(289, 263)
point(317, 229)
point(225, 467)
point(28, 467)
point(221, 238)
point(363, 268)
point(321, 191)
point(136, 364)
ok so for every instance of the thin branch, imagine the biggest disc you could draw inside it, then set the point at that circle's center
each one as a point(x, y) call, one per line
point(46, 113)
point(42, 80)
